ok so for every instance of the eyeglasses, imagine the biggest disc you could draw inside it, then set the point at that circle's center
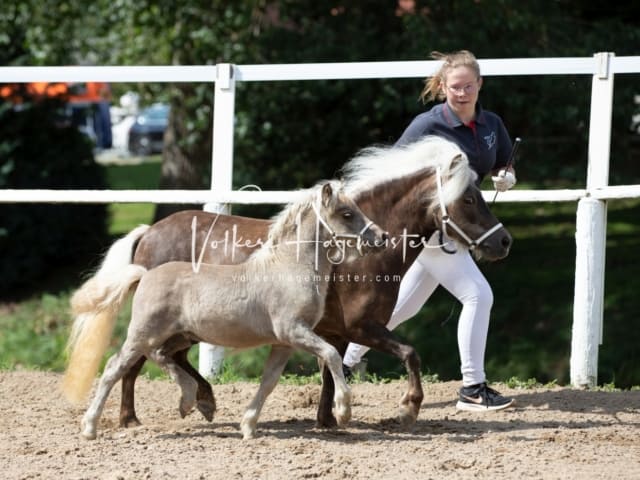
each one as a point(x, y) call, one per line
point(468, 88)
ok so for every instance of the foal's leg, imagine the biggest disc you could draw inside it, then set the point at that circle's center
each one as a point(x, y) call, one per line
point(272, 370)
point(115, 368)
point(206, 401)
point(301, 336)
point(188, 386)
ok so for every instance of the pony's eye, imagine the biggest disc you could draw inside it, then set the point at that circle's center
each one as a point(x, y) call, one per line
point(347, 214)
point(469, 200)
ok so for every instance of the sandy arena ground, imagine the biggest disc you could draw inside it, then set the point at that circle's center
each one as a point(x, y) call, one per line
point(552, 434)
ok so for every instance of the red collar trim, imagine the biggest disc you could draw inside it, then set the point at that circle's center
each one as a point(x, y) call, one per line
point(472, 125)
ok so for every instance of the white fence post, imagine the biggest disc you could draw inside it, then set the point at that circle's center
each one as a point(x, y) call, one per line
point(591, 234)
point(212, 356)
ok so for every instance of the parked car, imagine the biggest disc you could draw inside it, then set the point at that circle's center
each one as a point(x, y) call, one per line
point(147, 133)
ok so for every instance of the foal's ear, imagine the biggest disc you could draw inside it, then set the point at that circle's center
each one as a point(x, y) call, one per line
point(327, 194)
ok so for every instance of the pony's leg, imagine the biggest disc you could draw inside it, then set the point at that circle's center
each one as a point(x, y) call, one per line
point(325, 417)
point(206, 402)
point(115, 368)
point(272, 370)
point(381, 339)
point(128, 417)
point(301, 336)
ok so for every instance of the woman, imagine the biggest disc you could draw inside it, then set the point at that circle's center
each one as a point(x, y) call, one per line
point(483, 137)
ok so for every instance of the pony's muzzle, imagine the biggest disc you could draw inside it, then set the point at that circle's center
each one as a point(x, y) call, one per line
point(505, 242)
point(497, 247)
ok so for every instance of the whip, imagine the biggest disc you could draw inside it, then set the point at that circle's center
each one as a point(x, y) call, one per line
point(516, 144)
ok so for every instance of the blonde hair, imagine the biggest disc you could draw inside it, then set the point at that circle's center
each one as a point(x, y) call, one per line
point(461, 58)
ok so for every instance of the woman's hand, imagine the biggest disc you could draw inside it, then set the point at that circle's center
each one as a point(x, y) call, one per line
point(504, 180)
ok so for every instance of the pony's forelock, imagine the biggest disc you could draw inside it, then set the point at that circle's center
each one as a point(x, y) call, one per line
point(455, 179)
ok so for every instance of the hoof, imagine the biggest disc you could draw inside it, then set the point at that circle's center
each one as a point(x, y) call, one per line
point(207, 409)
point(248, 432)
point(343, 417)
point(329, 422)
point(186, 406)
point(406, 418)
point(88, 432)
point(129, 422)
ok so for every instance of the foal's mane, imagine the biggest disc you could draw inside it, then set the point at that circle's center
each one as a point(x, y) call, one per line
point(284, 221)
point(376, 165)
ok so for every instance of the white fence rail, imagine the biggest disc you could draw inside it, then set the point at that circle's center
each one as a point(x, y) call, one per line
point(279, 196)
point(591, 214)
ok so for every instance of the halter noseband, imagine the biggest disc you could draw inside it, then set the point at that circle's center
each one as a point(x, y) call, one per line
point(336, 236)
point(447, 221)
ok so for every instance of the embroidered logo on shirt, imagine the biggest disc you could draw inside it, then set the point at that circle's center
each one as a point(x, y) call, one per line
point(491, 140)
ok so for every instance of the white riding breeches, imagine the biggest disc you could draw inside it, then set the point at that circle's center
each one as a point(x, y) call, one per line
point(460, 275)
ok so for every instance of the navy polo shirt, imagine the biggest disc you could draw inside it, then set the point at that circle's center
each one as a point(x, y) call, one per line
point(486, 142)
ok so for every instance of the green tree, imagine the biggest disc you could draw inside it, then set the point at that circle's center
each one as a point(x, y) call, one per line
point(289, 134)
point(40, 149)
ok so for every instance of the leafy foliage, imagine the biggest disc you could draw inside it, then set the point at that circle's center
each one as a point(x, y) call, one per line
point(37, 151)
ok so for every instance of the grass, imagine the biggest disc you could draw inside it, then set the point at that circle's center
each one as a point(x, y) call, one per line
point(125, 216)
point(528, 384)
point(142, 176)
point(33, 333)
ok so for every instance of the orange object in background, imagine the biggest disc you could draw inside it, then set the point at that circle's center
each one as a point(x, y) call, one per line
point(92, 92)
point(89, 92)
point(88, 104)
point(35, 89)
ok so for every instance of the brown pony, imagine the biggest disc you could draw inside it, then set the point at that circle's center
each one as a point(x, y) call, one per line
point(408, 191)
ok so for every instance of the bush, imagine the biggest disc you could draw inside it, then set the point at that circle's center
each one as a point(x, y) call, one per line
point(40, 149)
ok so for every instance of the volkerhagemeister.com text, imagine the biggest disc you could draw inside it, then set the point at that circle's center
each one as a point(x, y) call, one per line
point(317, 278)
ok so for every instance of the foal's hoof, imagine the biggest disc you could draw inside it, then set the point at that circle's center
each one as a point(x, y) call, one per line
point(248, 429)
point(184, 411)
point(343, 416)
point(186, 406)
point(207, 409)
point(88, 431)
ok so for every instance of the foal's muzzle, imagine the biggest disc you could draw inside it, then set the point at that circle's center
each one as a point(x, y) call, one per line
point(371, 238)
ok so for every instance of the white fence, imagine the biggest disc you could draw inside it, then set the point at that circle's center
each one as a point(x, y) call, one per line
point(591, 213)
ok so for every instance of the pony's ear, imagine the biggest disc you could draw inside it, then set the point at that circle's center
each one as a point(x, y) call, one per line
point(327, 194)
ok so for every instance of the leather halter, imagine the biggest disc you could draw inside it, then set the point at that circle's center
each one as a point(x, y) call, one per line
point(336, 236)
point(448, 221)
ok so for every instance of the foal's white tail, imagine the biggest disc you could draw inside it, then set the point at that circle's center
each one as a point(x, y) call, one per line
point(95, 306)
